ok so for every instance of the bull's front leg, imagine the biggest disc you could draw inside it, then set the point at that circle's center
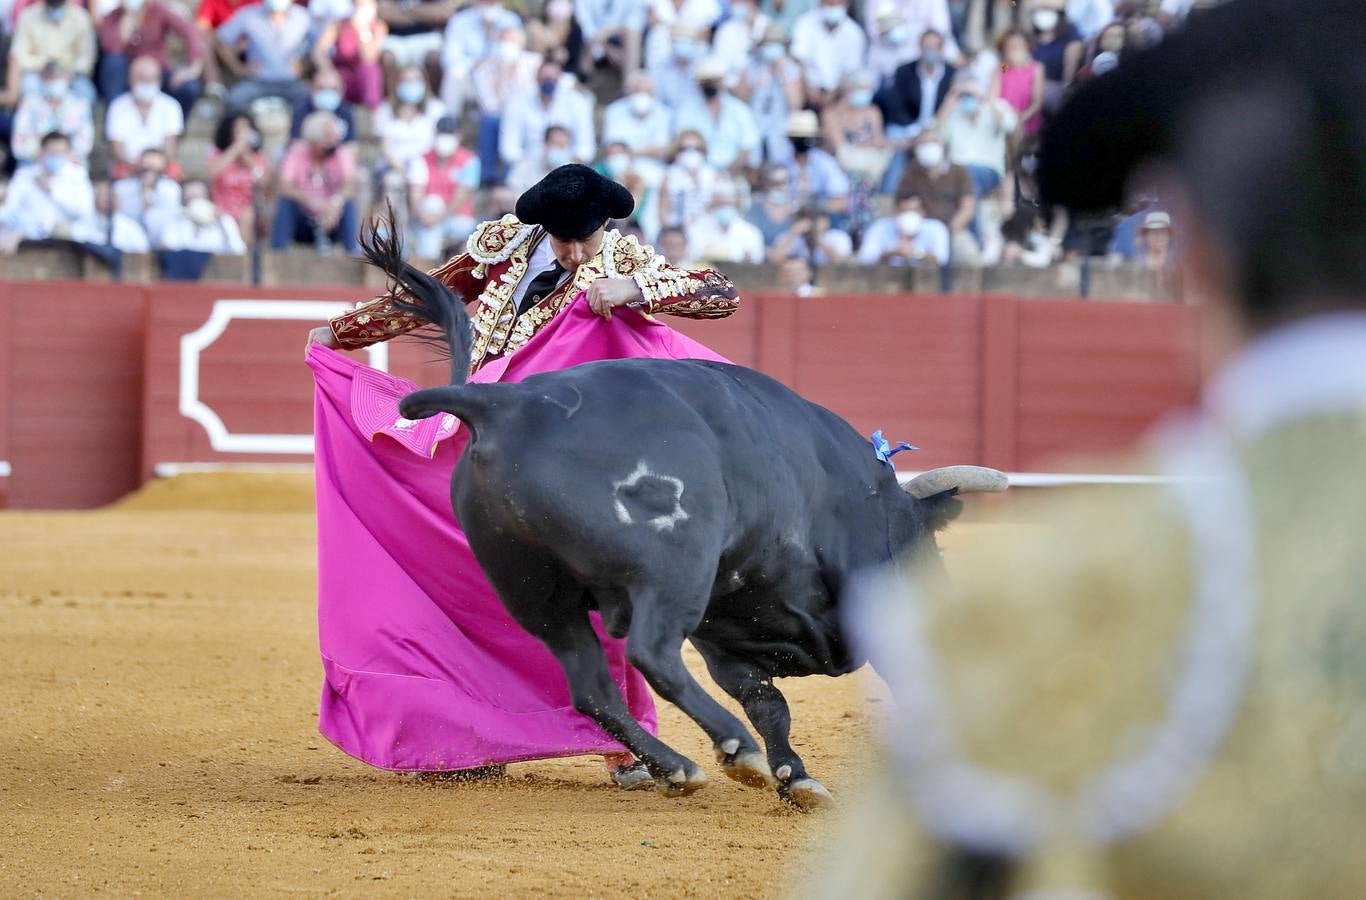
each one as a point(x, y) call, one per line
point(767, 710)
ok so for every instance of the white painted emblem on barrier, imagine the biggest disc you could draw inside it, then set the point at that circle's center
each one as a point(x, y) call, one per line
point(194, 343)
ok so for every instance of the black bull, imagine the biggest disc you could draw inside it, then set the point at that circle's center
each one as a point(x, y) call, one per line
point(684, 500)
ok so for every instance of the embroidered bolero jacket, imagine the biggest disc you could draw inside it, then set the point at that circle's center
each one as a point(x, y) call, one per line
point(495, 261)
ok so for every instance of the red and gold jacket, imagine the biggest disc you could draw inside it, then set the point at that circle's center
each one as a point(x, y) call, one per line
point(496, 259)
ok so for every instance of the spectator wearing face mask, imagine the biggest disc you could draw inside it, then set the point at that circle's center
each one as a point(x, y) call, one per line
point(142, 118)
point(688, 183)
point(1153, 246)
point(45, 200)
point(555, 31)
point(674, 74)
point(772, 85)
point(1090, 16)
point(642, 178)
point(613, 31)
point(51, 31)
point(1058, 45)
point(975, 130)
point(638, 120)
point(53, 108)
point(556, 149)
point(353, 46)
point(1020, 82)
point(508, 72)
point(669, 19)
point(416, 32)
point(906, 238)
point(201, 226)
point(148, 194)
point(724, 121)
point(106, 227)
point(889, 46)
point(739, 36)
point(816, 177)
point(918, 90)
point(917, 17)
point(318, 184)
point(852, 127)
point(829, 45)
point(1106, 52)
point(406, 123)
point(945, 191)
point(274, 40)
point(722, 236)
point(813, 237)
point(139, 28)
point(326, 94)
point(555, 101)
point(471, 36)
point(236, 169)
point(441, 186)
point(774, 207)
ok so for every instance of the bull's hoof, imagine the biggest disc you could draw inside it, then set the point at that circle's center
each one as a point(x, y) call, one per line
point(749, 768)
point(633, 777)
point(806, 794)
point(682, 782)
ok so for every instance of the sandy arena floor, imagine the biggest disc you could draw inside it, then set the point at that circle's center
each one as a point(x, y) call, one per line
point(159, 701)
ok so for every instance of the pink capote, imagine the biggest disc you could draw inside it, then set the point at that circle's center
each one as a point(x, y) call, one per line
point(423, 668)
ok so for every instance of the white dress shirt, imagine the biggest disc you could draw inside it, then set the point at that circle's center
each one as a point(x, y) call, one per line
point(885, 235)
point(124, 123)
point(740, 242)
point(731, 135)
point(542, 258)
point(36, 212)
point(527, 117)
point(828, 55)
point(621, 124)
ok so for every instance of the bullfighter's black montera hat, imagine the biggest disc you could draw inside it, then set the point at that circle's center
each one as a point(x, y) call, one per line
point(574, 201)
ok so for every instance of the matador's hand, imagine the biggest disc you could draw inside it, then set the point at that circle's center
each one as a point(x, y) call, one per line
point(606, 293)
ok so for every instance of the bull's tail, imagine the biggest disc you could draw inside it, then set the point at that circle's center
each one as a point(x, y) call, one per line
point(419, 294)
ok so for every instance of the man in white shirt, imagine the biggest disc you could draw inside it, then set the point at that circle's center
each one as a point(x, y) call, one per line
point(107, 227)
point(739, 36)
point(47, 198)
point(907, 238)
point(829, 45)
point(975, 130)
point(555, 101)
point(470, 37)
point(675, 84)
point(1090, 16)
point(638, 120)
point(148, 196)
point(918, 17)
point(201, 226)
point(612, 30)
point(722, 235)
point(724, 121)
point(889, 46)
point(145, 116)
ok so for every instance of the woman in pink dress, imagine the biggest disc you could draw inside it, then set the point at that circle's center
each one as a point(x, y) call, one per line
point(352, 47)
point(1020, 82)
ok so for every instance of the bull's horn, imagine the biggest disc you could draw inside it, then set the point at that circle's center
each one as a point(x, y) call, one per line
point(968, 479)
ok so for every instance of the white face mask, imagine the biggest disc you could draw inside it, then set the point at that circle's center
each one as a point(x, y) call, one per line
point(909, 222)
point(201, 211)
point(691, 159)
point(929, 155)
point(145, 91)
point(446, 144)
point(507, 52)
point(559, 10)
point(133, 5)
point(618, 164)
point(642, 103)
point(833, 15)
point(1045, 19)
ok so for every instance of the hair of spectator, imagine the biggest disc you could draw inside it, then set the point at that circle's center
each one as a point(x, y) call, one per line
point(553, 129)
point(54, 137)
point(222, 134)
point(53, 68)
point(319, 126)
point(931, 33)
point(1013, 33)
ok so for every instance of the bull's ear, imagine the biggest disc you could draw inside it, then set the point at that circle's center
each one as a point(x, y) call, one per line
point(940, 509)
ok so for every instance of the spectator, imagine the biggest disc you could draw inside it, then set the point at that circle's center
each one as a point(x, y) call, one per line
point(554, 150)
point(1020, 82)
point(688, 183)
point(148, 195)
point(406, 123)
point(52, 31)
point(945, 192)
point(353, 46)
point(201, 226)
point(1107, 52)
point(813, 237)
point(674, 78)
point(918, 17)
point(556, 32)
point(318, 187)
point(671, 18)
point(853, 129)
point(441, 186)
point(470, 38)
point(326, 12)
point(508, 72)
point(613, 31)
point(139, 28)
point(641, 178)
point(143, 117)
point(1090, 16)
point(638, 121)
point(1155, 243)
point(725, 122)
point(274, 39)
point(327, 94)
point(54, 107)
point(1057, 45)
point(829, 45)
point(208, 17)
point(555, 101)
point(416, 30)
point(47, 199)
point(500, 201)
point(906, 238)
point(816, 177)
point(106, 227)
point(975, 133)
point(236, 169)
point(772, 86)
point(673, 246)
point(722, 235)
point(775, 208)
point(889, 47)
point(739, 36)
point(796, 277)
point(918, 89)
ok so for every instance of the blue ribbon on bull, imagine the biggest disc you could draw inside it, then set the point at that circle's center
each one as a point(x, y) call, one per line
point(885, 451)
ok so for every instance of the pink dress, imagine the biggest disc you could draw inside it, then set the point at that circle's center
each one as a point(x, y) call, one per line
point(363, 79)
point(1017, 89)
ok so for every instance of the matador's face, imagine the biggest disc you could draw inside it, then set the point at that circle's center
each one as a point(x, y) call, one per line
point(572, 254)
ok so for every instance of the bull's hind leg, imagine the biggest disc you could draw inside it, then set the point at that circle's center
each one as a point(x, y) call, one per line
point(654, 646)
point(767, 709)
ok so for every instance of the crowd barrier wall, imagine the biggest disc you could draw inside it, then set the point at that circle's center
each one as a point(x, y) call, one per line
point(104, 386)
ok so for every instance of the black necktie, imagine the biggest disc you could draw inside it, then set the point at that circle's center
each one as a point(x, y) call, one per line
point(541, 286)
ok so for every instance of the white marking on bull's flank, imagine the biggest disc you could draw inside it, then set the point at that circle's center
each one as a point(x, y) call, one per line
point(664, 522)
